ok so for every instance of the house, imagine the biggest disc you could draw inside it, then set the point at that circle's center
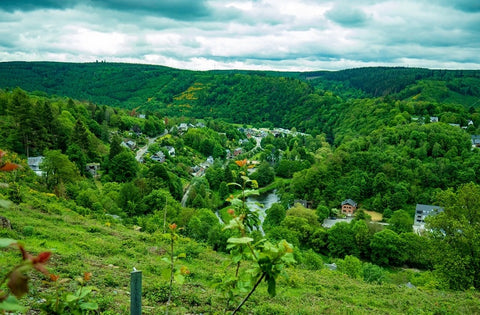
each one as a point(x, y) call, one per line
point(433, 119)
point(242, 141)
point(348, 207)
point(92, 168)
point(476, 141)
point(183, 127)
point(210, 160)
point(421, 212)
point(129, 144)
point(34, 163)
point(198, 171)
point(304, 203)
point(237, 151)
point(170, 150)
point(158, 157)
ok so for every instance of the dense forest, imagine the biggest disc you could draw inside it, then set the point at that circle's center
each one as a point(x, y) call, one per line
point(141, 158)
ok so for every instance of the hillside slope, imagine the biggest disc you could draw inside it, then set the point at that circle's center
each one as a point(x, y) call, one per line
point(110, 250)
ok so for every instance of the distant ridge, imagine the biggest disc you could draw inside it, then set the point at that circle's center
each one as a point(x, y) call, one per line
point(236, 95)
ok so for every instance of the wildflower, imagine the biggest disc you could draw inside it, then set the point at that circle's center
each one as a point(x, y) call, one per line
point(87, 276)
point(241, 163)
point(184, 270)
point(7, 167)
point(54, 278)
point(172, 226)
point(37, 261)
point(231, 212)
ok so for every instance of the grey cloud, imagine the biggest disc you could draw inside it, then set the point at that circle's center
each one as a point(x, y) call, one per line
point(346, 15)
point(174, 9)
point(468, 6)
point(30, 5)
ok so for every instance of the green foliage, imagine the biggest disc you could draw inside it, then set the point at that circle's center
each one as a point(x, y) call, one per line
point(58, 169)
point(264, 174)
point(455, 232)
point(341, 240)
point(269, 259)
point(64, 302)
point(123, 167)
point(351, 266)
point(387, 248)
point(373, 273)
point(275, 215)
point(201, 224)
point(400, 222)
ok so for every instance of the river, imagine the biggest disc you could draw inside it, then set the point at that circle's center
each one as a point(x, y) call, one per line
point(261, 204)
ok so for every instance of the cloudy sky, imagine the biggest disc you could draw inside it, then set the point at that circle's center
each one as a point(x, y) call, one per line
point(295, 35)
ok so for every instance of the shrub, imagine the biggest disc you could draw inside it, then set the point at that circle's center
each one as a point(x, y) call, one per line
point(28, 230)
point(373, 273)
point(351, 266)
point(311, 260)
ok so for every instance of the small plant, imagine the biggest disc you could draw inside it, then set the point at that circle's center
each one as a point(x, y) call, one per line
point(177, 274)
point(17, 279)
point(269, 260)
point(28, 230)
point(64, 302)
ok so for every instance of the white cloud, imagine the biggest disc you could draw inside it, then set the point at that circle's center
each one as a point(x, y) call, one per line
point(261, 34)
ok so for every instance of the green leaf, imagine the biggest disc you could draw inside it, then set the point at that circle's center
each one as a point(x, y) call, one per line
point(166, 259)
point(89, 306)
point(83, 292)
point(10, 304)
point(245, 179)
point(4, 242)
point(289, 259)
point(237, 258)
point(5, 203)
point(182, 255)
point(251, 192)
point(70, 298)
point(179, 278)
point(240, 240)
point(233, 224)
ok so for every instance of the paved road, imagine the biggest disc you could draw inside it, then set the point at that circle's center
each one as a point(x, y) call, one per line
point(141, 152)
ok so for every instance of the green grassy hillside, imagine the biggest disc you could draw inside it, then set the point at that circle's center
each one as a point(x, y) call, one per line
point(110, 250)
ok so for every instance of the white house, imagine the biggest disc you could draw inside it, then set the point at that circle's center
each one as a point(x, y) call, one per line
point(421, 212)
point(34, 163)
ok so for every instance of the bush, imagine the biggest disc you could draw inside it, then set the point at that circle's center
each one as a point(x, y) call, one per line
point(351, 266)
point(158, 293)
point(310, 260)
point(373, 273)
point(28, 230)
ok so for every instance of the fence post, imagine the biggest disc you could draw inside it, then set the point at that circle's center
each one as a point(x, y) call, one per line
point(136, 292)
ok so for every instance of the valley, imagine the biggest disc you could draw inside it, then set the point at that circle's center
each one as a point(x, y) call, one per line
point(162, 169)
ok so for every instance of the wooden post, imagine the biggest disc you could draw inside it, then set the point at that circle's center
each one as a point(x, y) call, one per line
point(136, 292)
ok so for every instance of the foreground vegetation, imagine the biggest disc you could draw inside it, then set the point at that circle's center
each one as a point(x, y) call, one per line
point(109, 251)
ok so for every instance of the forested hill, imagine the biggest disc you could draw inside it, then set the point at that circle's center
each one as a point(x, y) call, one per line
point(287, 99)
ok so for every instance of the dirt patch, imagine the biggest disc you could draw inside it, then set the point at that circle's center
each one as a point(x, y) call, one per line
point(376, 216)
